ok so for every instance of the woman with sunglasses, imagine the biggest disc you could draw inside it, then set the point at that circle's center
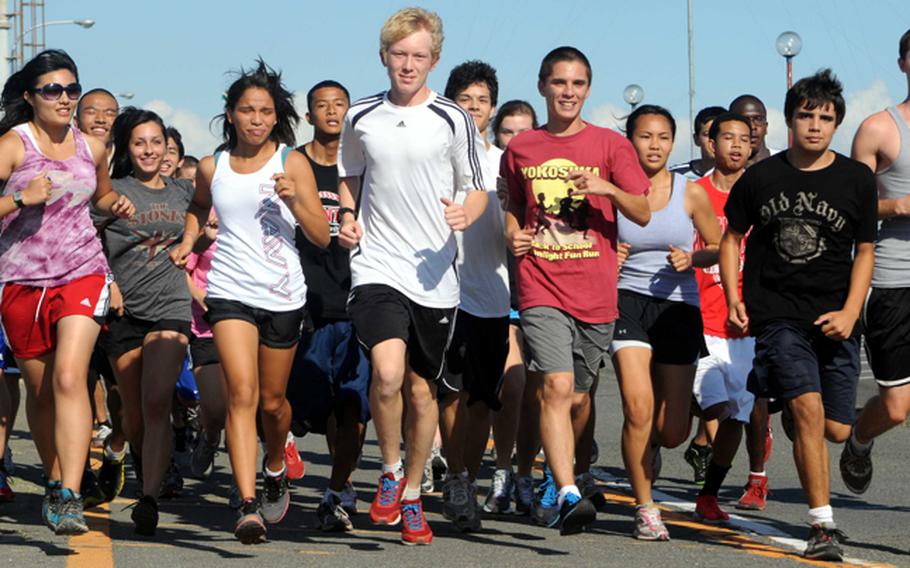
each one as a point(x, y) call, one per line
point(147, 335)
point(53, 272)
point(658, 339)
point(256, 290)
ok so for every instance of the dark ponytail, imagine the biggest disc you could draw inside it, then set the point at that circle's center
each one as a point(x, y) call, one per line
point(15, 109)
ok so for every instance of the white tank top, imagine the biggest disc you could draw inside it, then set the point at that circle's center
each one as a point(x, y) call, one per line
point(256, 262)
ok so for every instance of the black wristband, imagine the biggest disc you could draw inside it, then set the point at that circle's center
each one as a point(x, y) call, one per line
point(343, 210)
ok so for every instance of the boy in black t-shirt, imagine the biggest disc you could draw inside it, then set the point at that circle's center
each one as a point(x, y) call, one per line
point(807, 269)
point(329, 390)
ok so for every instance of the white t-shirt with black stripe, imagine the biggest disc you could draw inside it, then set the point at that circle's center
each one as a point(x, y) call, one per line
point(409, 157)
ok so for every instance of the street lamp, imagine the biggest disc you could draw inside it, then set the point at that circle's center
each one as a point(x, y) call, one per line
point(789, 44)
point(633, 94)
point(19, 45)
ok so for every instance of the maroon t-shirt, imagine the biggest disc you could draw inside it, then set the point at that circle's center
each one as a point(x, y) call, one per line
point(572, 262)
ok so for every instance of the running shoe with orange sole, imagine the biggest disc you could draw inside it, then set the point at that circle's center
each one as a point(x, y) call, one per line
point(414, 529)
point(386, 506)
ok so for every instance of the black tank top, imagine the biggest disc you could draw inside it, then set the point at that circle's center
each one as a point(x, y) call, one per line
point(327, 271)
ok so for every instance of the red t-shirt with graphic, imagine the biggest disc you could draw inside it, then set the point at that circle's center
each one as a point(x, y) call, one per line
point(572, 262)
point(710, 290)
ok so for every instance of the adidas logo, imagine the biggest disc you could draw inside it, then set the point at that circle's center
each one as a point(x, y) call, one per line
point(401, 124)
point(85, 302)
point(444, 320)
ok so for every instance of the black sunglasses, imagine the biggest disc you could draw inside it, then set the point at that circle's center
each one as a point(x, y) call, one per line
point(53, 91)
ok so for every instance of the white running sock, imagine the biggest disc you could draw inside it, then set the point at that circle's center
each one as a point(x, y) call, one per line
point(278, 473)
point(758, 473)
point(410, 494)
point(114, 456)
point(573, 489)
point(822, 516)
point(396, 468)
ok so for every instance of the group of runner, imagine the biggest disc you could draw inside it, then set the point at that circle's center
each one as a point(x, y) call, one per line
point(443, 266)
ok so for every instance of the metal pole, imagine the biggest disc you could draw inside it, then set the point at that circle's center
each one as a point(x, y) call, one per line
point(691, 78)
point(4, 45)
point(789, 84)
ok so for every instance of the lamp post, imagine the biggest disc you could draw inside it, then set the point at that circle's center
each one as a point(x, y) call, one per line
point(789, 44)
point(633, 94)
point(18, 56)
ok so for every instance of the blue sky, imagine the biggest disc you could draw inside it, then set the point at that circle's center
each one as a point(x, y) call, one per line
point(174, 55)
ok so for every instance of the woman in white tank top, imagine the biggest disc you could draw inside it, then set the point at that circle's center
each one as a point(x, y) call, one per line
point(256, 290)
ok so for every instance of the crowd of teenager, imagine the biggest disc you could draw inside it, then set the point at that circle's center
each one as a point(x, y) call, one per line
point(442, 265)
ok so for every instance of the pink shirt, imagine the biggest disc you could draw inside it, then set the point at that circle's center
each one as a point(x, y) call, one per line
point(198, 266)
point(55, 243)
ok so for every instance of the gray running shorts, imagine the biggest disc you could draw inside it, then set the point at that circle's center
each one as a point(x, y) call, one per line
point(559, 343)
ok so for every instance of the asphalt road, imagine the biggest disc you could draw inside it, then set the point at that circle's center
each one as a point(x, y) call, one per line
point(195, 529)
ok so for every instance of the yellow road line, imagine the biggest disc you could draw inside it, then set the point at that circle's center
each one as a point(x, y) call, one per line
point(93, 549)
point(730, 537)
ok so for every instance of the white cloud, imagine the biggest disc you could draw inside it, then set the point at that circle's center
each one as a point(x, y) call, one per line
point(198, 139)
point(859, 106)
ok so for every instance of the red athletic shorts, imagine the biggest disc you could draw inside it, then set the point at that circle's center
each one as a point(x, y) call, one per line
point(30, 314)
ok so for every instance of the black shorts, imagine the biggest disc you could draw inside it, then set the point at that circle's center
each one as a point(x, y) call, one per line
point(791, 361)
point(278, 330)
point(203, 352)
point(125, 333)
point(102, 366)
point(380, 312)
point(476, 359)
point(886, 320)
point(671, 329)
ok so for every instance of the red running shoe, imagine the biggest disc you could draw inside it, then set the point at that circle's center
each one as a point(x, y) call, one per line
point(414, 529)
point(756, 494)
point(386, 506)
point(292, 459)
point(707, 510)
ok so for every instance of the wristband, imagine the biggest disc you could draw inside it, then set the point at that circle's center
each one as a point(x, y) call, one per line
point(17, 199)
point(343, 210)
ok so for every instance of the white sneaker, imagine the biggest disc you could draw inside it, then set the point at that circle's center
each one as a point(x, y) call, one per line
point(499, 499)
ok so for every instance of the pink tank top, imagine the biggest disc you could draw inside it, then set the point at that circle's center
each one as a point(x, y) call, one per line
point(55, 243)
point(198, 266)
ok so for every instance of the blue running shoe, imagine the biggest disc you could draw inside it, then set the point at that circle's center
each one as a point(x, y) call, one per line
point(575, 514)
point(70, 510)
point(546, 508)
point(50, 505)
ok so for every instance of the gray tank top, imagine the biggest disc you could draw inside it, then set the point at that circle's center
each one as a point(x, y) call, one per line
point(892, 249)
point(647, 270)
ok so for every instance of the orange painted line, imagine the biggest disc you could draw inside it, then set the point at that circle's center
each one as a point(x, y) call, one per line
point(93, 549)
